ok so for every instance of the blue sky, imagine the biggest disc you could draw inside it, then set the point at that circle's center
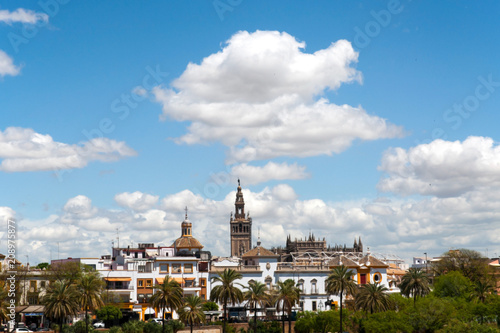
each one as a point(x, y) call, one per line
point(349, 118)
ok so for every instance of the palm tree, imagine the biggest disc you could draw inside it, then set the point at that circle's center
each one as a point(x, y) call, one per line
point(168, 295)
point(226, 291)
point(482, 289)
point(288, 296)
point(415, 282)
point(61, 301)
point(340, 282)
point(89, 287)
point(373, 297)
point(4, 303)
point(192, 312)
point(256, 294)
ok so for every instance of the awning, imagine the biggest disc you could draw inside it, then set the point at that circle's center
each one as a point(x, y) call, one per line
point(178, 280)
point(122, 279)
point(34, 310)
point(160, 280)
point(189, 279)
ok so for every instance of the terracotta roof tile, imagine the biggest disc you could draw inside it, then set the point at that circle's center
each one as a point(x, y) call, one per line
point(258, 251)
point(187, 242)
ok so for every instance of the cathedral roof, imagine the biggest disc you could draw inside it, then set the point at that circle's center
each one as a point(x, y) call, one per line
point(187, 242)
point(258, 251)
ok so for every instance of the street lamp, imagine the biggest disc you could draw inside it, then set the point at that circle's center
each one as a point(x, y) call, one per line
point(425, 262)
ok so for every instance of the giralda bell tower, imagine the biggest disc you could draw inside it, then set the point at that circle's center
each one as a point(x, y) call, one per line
point(241, 227)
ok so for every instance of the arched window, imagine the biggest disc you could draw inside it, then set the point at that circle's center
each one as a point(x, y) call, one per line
point(314, 286)
point(300, 285)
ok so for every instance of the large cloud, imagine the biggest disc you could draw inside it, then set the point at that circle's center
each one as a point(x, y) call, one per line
point(259, 96)
point(442, 168)
point(406, 228)
point(22, 149)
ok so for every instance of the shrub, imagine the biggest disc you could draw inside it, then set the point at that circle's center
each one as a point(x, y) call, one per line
point(115, 329)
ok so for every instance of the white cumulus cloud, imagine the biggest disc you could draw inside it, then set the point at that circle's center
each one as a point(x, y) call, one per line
point(261, 96)
point(270, 171)
point(403, 227)
point(137, 200)
point(22, 149)
point(442, 168)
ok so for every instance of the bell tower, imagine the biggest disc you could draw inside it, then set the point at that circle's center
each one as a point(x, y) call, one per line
point(241, 227)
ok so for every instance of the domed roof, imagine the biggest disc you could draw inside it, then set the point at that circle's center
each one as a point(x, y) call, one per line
point(187, 242)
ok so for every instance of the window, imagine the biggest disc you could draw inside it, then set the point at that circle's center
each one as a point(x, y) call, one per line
point(268, 281)
point(140, 283)
point(377, 277)
point(314, 306)
point(203, 282)
point(33, 300)
point(42, 284)
point(163, 268)
point(176, 268)
point(188, 268)
point(149, 283)
point(300, 285)
point(314, 289)
point(32, 286)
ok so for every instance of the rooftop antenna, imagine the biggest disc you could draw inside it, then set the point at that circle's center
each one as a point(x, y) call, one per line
point(118, 237)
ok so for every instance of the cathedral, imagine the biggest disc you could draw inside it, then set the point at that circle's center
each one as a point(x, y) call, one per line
point(241, 237)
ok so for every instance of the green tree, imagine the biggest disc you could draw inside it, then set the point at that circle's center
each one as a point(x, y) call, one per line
point(414, 283)
point(372, 298)
point(43, 265)
point(388, 321)
point(168, 295)
point(61, 301)
point(89, 288)
point(256, 295)
point(340, 282)
point(225, 290)
point(469, 263)
point(452, 284)
point(288, 296)
point(210, 306)
point(191, 312)
point(431, 314)
point(109, 314)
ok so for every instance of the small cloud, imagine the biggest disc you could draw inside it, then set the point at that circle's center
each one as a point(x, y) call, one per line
point(22, 15)
point(7, 66)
